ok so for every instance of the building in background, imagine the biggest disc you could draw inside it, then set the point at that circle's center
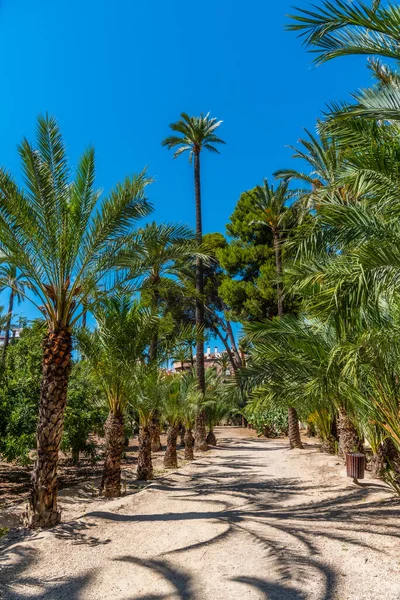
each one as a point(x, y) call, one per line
point(15, 335)
point(218, 360)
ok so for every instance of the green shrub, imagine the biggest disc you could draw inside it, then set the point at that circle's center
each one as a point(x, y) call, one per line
point(269, 423)
point(20, 381)
point(20, 394)
point(85, 414)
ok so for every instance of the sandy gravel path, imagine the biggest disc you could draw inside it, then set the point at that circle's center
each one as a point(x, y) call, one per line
point(249, 520)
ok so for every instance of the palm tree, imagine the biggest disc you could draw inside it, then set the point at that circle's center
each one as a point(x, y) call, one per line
point(172, 413)
point(65, 243)
point(275, 214)
point(218, 402)
point(162, 251)
point(323, 157)
point(223, 363)
point(190, 400)
point(113, 352)
point(196, 134)
point(150, 389)
point(339, 28)
point(11, 278)
point(296, 362)
point(272, 204)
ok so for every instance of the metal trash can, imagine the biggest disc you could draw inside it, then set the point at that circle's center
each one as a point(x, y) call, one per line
point(355, 464)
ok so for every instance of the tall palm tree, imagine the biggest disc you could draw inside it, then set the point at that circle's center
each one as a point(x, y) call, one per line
point(195, 134)
point(272, 204)
point(11, 278)
point(65, 243)
point(113, 352)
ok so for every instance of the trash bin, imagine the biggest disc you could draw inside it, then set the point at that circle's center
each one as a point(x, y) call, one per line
point(355, 464)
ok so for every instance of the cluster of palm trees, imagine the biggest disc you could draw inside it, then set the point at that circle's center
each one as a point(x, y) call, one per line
point(332, 360)
point(119, 356)
point(337, 360)
point(68, 249)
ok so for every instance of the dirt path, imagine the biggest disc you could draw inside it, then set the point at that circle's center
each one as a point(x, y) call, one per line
point(249, 520)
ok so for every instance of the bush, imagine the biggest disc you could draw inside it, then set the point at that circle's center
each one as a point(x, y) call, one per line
point(20, 381)
point(269, 423)
point(85, 414)
point(20, 394)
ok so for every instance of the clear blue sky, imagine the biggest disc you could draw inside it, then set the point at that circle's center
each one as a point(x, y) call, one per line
point(115, 74)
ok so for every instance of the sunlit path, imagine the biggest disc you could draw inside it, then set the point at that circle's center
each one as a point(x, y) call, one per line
point(250, 520)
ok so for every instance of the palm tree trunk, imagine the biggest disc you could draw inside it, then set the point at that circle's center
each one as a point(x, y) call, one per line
point(387, 456)
point(154, 340)
point(182, 430)
point(171, 457)
point(200, 436)
point(211, 439)
point(75, 456)
point(144, 466)
point(8, 325)
point(189, 443)
point(294, 430)
point(111, 479)
point(278, 266)
point(349, 440)
point(42, 510)
point(154, 427)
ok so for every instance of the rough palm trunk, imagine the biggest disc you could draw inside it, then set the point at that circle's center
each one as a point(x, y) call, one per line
point(278, 266)
point(42, 510)
point(182, 430)
point(154, 428)
point(75, 456)
point(294, 430)
point(189, 443)
point(211, 439)
point(171, 457)
point(145, 465)
point(200, 436)
point(8, 325)
point(111, 479)
point(330, 442)
point(387, 456)
point(349, 440)
point(153, 351)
